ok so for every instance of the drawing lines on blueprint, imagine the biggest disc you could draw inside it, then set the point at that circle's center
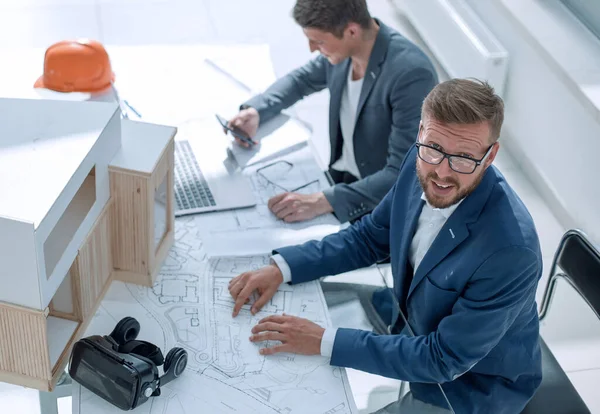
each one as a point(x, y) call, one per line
point(191, 308)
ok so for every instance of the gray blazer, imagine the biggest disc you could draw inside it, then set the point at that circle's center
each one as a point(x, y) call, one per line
point(398, 77)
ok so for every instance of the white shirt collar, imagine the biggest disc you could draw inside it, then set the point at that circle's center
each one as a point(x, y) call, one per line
point(446, 212)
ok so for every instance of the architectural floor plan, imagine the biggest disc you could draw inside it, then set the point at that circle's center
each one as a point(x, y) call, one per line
point(190, 307)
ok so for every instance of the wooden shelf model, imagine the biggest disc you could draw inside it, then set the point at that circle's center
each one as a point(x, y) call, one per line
point(86, 198)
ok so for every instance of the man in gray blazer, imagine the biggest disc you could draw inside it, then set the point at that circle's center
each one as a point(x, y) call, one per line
point(377, 81)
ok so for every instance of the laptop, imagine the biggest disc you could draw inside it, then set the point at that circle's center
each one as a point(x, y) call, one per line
point(207, 177)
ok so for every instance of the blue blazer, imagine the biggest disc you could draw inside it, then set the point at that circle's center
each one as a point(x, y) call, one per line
point(471, 302)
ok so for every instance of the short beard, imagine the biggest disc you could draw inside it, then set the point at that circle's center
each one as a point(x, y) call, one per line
point(437, 202)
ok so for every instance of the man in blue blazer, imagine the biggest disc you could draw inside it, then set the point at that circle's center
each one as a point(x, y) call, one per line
point(377, 81)
point(465, 259)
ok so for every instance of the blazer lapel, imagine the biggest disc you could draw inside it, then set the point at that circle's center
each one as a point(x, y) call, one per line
point(376, 58)
point(452, 234)
point(338, 83)
point(412, 218)
point(455, 230)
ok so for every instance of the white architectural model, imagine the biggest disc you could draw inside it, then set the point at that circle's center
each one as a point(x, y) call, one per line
point(85, 198)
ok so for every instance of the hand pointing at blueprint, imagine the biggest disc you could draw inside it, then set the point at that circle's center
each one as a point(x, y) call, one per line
point(265, 281)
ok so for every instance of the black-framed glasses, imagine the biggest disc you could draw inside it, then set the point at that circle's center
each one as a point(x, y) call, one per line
point(459, 163)
point(280, 169)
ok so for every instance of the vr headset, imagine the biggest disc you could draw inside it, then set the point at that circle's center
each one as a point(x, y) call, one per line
point(122, 370)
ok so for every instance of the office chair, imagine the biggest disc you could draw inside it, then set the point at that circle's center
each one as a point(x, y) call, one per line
point(579, 262)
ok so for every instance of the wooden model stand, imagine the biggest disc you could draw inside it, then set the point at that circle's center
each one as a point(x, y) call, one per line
point(86, 197)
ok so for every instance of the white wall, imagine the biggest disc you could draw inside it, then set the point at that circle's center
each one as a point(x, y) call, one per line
point(548, 128)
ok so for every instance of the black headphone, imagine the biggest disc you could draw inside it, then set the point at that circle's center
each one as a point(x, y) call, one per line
point(126, 368)
point(125, 334)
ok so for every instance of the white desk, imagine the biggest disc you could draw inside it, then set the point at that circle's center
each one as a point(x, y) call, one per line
point(170, 85)
point(188, 88)
point(156, 82)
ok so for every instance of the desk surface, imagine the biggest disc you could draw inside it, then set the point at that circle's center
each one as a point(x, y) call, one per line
point(162, 83)
point(190, 305)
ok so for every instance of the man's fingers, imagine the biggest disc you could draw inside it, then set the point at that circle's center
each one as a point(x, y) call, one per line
point(236, 287)
point(235, 281)
point(268, 326)
point(293, 217)
point(286, 212)
point(235, 290)
point(275, 349)
point(232, 122)
point(260, 302)
point(241, 298)
point(242, 143)
point(275, 199)
point(275, 318)
point(268, 336)
point(282, 204)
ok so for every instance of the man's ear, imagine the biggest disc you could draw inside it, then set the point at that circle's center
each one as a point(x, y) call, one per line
point(352, 30)
point(492, 156)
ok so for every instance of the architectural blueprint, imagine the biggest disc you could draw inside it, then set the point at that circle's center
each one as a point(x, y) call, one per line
point(190, 306)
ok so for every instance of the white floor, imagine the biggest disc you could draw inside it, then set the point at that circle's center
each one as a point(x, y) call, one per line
point(39, 23)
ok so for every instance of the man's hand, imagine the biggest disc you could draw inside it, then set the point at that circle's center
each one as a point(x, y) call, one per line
point(297, 335)
point(291, 207)
point(247, 120)
point(265, 281)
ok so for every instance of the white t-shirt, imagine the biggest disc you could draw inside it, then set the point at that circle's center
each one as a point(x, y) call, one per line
point(348, 107)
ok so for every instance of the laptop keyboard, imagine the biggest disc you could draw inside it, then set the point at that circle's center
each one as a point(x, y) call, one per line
point(191, 188)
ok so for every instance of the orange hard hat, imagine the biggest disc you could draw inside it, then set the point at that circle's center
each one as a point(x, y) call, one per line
point(76, 66)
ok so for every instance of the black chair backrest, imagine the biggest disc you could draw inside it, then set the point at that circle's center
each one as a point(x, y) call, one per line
point(579, 261)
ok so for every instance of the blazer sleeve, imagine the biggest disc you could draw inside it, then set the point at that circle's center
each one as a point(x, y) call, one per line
point(492, 301)
point(350, 201)
point(360, 245)
point(286, 91)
